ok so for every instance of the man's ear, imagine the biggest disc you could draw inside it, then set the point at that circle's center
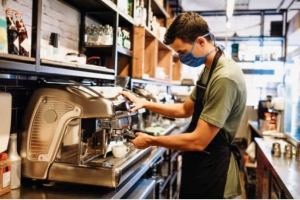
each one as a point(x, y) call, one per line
point(201, 41)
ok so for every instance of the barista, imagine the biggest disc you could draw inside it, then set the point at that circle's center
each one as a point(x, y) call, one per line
point(209, 167)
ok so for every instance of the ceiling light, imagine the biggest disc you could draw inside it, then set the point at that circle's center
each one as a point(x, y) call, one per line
point(230, 7)
point(228, 24)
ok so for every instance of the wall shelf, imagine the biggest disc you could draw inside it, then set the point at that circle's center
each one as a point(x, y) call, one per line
point(150, 81)
point(77, 73)
point(158, 9)
point(124, 51)
point(17, 58)
point(13, 65)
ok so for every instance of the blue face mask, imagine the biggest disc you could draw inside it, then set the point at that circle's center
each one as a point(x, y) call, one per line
point(191, 60)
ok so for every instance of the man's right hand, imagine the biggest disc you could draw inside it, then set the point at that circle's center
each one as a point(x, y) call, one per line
point(138, 102)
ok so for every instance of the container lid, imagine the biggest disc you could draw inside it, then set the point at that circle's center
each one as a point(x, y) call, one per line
point(18, 14)
point(9, 10)
point(3, 156)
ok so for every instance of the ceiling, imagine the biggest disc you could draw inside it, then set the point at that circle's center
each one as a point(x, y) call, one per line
point(244, 22)
point(211, 5)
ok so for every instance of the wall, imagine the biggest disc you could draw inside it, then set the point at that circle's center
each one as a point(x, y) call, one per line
point(56, 17)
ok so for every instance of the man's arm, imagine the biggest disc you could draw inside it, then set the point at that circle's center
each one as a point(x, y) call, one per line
point(197, 140)
point(178, 110)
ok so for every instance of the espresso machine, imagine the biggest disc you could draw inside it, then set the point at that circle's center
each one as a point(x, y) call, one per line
point(68, 132)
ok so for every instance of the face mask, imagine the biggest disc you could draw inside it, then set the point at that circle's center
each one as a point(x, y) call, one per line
point(192, 61)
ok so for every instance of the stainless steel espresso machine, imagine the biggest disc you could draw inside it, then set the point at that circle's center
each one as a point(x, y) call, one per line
point(68, 131)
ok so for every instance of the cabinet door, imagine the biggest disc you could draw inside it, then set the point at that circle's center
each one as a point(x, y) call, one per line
point(262, 176)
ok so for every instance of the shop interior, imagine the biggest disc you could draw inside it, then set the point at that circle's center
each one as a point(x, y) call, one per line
point(58, 56)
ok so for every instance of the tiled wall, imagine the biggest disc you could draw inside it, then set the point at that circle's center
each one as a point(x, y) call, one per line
point(21, 89)
point(56, 17)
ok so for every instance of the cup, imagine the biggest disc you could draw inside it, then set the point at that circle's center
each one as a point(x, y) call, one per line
point(119, 151)
point(288, 150)
point(276, 149)
point(298, 152)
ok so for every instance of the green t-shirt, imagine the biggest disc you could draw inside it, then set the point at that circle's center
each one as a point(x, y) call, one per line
point(224, 103)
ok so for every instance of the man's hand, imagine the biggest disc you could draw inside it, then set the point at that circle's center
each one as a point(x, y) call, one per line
point(141, 141)
point(138, 102)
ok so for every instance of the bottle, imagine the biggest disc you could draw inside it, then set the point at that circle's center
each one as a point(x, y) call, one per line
point(15, 161)
point(119, 38)
point(129, 11)
point(12, 33)
point(144, 13)
point(23, 36)
point(138, 13)
point(5, 174)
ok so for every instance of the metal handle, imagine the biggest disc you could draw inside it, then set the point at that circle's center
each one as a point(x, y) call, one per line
point(149, 133)
point(130, 134)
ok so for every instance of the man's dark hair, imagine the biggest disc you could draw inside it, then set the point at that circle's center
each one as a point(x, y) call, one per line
point(187, 27)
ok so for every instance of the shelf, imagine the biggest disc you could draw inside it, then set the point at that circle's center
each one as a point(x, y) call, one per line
point(158, 9)
point(17, 58)
point(124, 51)
point(90, 71)
point(15, 65)
point(161, 44)
point(64, 72)
point(91, 5)
point(76, 66)
point(98, 46)
point(98, 6)
point(150, 81)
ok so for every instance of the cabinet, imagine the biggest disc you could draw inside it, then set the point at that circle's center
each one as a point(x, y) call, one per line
point(275, 176)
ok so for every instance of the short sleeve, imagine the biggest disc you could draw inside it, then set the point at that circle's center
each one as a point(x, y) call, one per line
point(220, 101)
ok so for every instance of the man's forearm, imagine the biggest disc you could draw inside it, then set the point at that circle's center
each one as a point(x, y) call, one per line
point(169, 110)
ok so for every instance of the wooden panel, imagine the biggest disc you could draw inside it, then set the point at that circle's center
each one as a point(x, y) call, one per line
point(165, 61)
point(124, 63)
point(176, 71)
point(151, 50)
point(108, 62)
point(138, 52)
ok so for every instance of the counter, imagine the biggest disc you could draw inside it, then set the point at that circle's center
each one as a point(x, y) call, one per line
point(286, 171)
point(32, 189)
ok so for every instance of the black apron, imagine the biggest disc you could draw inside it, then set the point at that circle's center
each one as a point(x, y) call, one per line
point(204, 173)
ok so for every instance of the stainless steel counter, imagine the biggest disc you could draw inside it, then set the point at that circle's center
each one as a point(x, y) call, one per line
point(285, 170)
point(31, 189)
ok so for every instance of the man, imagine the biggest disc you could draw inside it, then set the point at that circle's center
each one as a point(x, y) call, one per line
point(209, 167)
